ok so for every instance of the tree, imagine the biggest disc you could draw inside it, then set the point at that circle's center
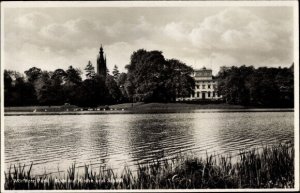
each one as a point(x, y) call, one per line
point(73, 76)
point(72, 84)
point(144, 73)
point(43, 89)
point(58, 79)
point(114, 93)
point(116, 72)
point(90, 70)
point(150, 77)
point(121, 82)
point(22, 93)
point(122, 79)
point(33, 74)
point(233, 84)
point(8, 87)
point(7, 79)
point(92, 92)
point(180, 83)
point(268, 87)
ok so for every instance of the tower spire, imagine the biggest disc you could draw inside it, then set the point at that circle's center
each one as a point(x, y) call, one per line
point(101, 49)
point(101, 63)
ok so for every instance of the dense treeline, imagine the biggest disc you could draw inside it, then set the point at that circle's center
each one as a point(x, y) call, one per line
point(39, 87)
point(268, 87)
point(150, 78)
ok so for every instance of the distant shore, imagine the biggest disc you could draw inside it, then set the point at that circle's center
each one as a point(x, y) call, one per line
point(128, 108)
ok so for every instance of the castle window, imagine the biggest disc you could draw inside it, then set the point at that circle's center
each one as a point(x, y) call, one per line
point(197, 86)
point(203, 86)
point(208, 86)
point(214, 94)
point(208, 94)
point(198, 94)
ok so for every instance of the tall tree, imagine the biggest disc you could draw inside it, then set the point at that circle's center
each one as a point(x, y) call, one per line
point(72, 85)
point(144, 72)
point(121, 82)
point(116, 72)
point(90, 70)
point(73, 76)
point(150, 77)
point(58, 79)
point(92, 92)
point(8, 88)
point(22, 93)
point(43, 89)
point(7, 79)
point(33, 74)
point(180, 83)
point(114, 92)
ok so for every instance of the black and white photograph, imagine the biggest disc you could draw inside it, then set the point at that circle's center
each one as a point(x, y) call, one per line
point(149, 96)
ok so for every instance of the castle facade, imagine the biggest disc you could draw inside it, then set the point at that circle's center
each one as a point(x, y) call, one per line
point(205, 86)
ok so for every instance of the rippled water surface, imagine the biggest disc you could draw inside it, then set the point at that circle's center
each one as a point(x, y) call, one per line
point(56, 141)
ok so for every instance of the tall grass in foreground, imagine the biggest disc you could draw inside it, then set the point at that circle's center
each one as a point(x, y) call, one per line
point(272, 167)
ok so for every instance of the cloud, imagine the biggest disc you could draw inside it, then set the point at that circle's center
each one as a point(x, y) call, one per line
point(31, 21)
point(228, 36)
point(55, 31)
point(237, 29)
point(177, 30)
point(238, 36)
point(72, 34)
point(124, 50)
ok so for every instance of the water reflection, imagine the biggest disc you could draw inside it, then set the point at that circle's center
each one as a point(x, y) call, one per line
point(249, 130)
point(118, 139)
point(153, 138)
point(205, 133)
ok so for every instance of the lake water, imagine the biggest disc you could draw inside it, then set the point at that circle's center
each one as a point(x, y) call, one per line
point(57, 141)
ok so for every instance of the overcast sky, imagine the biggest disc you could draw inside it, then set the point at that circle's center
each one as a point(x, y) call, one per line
point(51, 38)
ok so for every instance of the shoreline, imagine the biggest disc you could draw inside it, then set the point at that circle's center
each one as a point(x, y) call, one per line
point(136, 108)
point(149, 111)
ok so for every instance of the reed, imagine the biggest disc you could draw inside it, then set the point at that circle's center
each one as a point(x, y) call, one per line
point(270, 167)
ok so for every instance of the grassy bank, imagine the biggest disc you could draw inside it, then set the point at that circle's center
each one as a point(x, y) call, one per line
point(271, 167)
point(126, 106)
point(173, 106)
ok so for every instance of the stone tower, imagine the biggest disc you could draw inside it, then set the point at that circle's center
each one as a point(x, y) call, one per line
point(101, 63)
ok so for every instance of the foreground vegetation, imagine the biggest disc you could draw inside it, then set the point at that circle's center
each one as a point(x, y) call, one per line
point(270, 167)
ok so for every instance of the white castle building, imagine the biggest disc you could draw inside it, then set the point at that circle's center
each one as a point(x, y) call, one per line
point(205, 86)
